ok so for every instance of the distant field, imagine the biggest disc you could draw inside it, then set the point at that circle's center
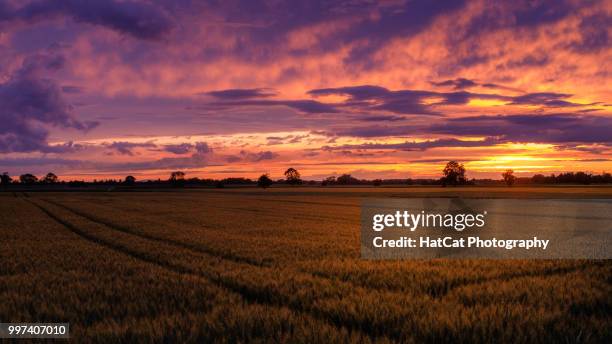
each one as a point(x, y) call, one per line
point(245, 264)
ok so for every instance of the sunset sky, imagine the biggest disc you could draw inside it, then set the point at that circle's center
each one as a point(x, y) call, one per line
point(378, 89)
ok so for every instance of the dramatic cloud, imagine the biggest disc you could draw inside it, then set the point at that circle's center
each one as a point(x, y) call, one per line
point(554, 128)
point(136, 18)
point(28, 103)
point(379, 98)
point(420, 102)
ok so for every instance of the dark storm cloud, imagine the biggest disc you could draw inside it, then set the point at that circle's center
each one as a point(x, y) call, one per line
point(30, 102)
point(135, 18)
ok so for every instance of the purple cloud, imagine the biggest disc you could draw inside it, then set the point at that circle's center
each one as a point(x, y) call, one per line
point(242, 93)
point(304, 106)
point(458, 84)
point(246, 156)
point(138, 19)
point(423, 145)
point(182, 148)
point(593, 34)
point(203, 148)
point(412, 102)
point(125, 148)
point(544, 98)
point(368, 97)
point(555, 128)
point(29, 102)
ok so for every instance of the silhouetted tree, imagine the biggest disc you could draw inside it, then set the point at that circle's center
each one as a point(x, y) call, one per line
point(582, 178)
point(509, 177)
point(377, 182)
point(264, 181)
point(347, 179)
point(130, 180)
point(28, 179)
point(328, 181)
point(572, 178)
point(50, 178)
point(293, 176)
point(538, 179)
point(454, 174)
point(177, 178)
point(5, 180)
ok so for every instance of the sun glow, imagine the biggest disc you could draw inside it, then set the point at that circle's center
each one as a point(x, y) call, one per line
point(486, 102)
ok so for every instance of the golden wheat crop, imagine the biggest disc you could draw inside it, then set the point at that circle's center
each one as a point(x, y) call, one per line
point(277, 265)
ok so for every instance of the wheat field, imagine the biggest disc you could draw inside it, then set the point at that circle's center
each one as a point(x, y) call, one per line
point(277, 265)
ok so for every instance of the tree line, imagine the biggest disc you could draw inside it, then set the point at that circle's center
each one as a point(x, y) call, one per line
point(453, 174)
